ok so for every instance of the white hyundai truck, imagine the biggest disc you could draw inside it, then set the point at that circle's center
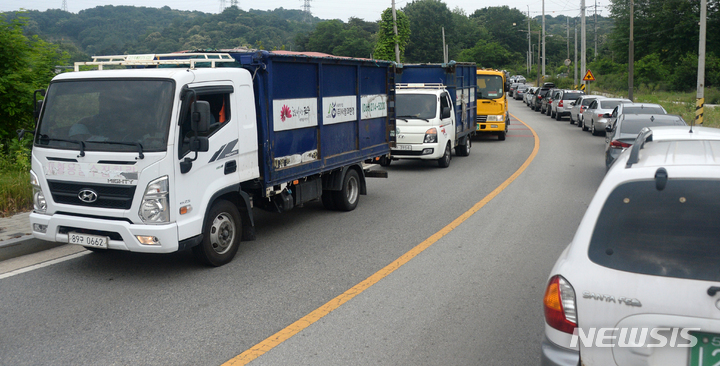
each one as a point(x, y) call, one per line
point(173, 151)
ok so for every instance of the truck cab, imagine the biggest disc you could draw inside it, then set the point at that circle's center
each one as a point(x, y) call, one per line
point(425, 123)
point(492, 106)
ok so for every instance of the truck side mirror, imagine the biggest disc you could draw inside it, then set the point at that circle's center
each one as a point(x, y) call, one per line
point(200, 116)
point(445, 112)
point(199, 143)
point(38, 103)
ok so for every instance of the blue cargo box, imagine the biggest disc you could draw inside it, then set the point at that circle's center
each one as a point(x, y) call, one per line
point(316, 114)
point(460, 78)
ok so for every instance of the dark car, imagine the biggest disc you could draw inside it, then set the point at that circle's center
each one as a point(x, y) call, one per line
point(539, 95)
point(520, 91)
point(623, 132)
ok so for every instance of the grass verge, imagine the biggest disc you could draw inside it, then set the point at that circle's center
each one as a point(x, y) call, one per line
point(15, 193)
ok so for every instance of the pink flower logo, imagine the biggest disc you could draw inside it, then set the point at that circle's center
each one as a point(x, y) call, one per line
point(285, 113)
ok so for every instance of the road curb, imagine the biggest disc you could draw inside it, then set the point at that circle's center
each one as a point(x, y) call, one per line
point(26, 244)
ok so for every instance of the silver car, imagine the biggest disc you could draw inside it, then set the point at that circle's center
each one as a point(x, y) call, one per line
point(634, 108)
point(596, 115)
point(579, 106)
point(561, 107)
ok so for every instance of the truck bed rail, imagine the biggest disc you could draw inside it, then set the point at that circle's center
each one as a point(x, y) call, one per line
point(157, 59)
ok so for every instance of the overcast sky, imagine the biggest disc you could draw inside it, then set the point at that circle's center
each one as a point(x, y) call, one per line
point(369, 10)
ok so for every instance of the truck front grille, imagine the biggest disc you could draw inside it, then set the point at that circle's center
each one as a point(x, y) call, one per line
point(108, 196)
point(481, 118)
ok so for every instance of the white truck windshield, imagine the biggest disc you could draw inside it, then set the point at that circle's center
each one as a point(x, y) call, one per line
point(107, 115)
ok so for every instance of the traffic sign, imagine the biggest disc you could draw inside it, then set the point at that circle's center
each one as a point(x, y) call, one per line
point(582, 87)
point(589, 76)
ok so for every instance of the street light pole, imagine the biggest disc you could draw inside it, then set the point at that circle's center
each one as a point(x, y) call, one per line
point(700, 104)
point(530, 54)
point(631, 52)
point(543, 39)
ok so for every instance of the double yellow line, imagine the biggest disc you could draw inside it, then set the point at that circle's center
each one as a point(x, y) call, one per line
point(304, 322)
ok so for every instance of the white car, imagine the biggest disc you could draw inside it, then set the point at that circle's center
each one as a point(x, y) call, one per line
point(640, 282)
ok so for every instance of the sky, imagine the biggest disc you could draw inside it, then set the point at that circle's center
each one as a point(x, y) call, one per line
point(368, 10)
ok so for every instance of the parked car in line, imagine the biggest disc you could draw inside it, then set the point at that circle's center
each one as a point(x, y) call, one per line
point(529, 94)
point(579, 106)
point(513, 87)
point(539, 95)
point(562, 107)
point(635, 108)
point(520, 91)
point(547, 102)
point(598, 112)
point(620, 135)
point(639, 282)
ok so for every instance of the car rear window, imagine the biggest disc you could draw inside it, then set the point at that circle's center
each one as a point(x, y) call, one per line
point(635, 125)
point(673, 232)
point(643, 110)
point(586, 102)
point(609, 104)
point(571, 96)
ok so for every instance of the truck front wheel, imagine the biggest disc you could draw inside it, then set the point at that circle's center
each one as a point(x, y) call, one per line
point(221, 235)
point(444, 161)
point(347, 198)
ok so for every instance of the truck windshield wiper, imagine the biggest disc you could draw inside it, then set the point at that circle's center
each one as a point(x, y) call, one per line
point(405, 118)
point(79, 142)
point(137, 144)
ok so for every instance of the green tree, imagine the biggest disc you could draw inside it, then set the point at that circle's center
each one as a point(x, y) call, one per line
point(385, 47)
point(28, 64)
point(427, 20)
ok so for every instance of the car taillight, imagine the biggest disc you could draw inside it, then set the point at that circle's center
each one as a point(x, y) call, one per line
point(559, 301)
point(540, 96)
point(600, 115)
point(619, 144)
point(560, 103)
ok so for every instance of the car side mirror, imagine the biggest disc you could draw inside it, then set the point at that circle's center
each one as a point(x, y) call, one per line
point(608, 128)
point(445, 112)
point(572, 104)
point(607, 115)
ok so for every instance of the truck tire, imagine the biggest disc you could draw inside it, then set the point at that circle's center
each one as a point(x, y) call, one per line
point(385, 161)
point(222, 232)
point(444, 161)
point(502, 135)
point(464, 149)
point(347, 198)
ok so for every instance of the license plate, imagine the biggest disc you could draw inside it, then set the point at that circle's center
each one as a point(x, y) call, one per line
point(404, 147)
point(707, 350)
point(88, 240)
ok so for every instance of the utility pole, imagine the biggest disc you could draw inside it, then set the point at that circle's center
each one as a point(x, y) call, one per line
point(575, 65)
point(543, 39)
point(595, 31)
point(530, 55)
point(700, 103)
point(631, 51)
point(583, 46)
point(397, 48)
point(64, 6)
point(538, 73)
point(567, 27)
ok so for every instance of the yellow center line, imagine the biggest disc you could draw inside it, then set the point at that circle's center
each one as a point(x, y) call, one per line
point(304, 322)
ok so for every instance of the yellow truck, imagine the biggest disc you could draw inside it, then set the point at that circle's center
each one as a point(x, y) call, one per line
point(492, 105)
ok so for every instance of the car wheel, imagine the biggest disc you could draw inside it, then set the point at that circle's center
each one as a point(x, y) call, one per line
point(464, 149)
point(593, 130)
point(571, 120)
point(347, 198)
point(444, 161)
point(222, 232)
point(584, 128)
point(557, 116)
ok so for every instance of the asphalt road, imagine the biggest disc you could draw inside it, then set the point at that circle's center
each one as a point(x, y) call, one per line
point(474, 296)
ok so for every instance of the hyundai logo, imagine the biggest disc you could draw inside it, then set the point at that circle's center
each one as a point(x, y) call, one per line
point(88, 196)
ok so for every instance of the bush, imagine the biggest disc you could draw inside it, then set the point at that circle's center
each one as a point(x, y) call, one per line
point(15, 192)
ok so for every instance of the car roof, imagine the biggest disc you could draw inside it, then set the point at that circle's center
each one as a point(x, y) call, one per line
point(654, 117)
point(634, 104)
point(673, 146)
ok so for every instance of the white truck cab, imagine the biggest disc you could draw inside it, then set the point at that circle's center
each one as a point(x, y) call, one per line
point(425, 118)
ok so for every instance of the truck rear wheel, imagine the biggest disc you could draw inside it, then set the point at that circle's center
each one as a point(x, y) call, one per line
point(222, 231)
point(347, 198)
point(444, 161)
point(464, 149)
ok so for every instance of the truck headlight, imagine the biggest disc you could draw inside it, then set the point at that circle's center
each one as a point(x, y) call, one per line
point(154, 208)
point(39, 202)
point(430, 136)
point(495, 118)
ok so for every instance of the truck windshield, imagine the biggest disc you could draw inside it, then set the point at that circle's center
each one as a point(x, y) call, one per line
point(489, 86)
point(417, 106)
point(107, 115)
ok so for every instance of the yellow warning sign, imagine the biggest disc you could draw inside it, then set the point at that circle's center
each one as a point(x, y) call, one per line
point(582, 87)
point(589, 76)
